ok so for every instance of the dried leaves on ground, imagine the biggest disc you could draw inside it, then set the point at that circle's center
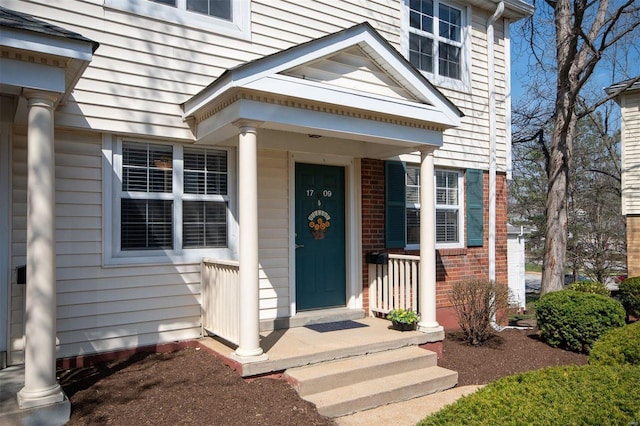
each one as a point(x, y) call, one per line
point(194, 387)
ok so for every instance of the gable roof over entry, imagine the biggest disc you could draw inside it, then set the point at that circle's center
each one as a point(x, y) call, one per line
point(350, 85)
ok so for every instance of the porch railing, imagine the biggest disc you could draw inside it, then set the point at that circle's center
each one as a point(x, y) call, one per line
point(221, 298)
point(394, 285)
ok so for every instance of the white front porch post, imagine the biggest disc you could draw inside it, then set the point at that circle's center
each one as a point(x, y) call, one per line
point(427, 290)
point(249, 349)
point(40, 384)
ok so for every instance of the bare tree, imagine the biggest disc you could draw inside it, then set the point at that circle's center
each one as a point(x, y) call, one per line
point(586, 32)
point(595, 244)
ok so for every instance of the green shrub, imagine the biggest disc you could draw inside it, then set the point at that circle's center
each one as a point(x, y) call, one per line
point(630, 295)
point(592, 287)
point(403, 316)
point(477, 303)
point(574, 320)
point(587, 395)
point(618, 346)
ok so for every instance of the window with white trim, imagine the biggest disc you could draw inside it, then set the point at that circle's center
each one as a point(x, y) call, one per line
point(229, 17)
point(217, 8)
point(169, 199)
point(437, 39)
point(448, 200)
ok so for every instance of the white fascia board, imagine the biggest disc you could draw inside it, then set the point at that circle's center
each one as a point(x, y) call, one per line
point(32, 75)
point(304, 121)
point(344, 97)
point(49, 45)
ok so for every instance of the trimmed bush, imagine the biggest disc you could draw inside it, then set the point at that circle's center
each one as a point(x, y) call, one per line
point(592, 287)
point(477, 303)
point(630, 296)
point(587, 395)
point(617, 347)
point(574, 320)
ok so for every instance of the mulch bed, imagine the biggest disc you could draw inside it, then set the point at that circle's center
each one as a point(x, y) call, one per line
point(192, 386)
point(506, 353)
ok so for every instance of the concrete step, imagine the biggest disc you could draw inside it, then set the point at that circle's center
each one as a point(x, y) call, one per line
point(358, 383)
point(384, 390)
point(330, 375)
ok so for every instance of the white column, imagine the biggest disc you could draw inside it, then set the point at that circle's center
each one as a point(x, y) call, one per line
point(427, 291)
point(40, 384)
point(249, 349)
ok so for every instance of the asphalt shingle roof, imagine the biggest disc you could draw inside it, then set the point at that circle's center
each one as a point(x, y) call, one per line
point(12, 19)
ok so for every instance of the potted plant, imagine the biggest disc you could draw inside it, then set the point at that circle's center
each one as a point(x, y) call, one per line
point(403, 319)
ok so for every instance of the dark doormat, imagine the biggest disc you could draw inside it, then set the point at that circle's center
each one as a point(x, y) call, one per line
point(335, 326)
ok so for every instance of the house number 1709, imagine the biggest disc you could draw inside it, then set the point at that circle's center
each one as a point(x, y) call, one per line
point(325, 193)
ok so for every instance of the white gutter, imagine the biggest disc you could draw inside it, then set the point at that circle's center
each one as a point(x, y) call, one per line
point(492, 140)
point(507, 100)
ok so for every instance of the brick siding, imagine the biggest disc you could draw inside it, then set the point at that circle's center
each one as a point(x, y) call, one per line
point(452, 265)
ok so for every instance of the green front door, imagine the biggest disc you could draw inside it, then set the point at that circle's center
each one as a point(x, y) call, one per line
point(320, 237)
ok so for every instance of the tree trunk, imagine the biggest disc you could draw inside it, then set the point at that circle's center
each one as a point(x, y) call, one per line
point(554, 261)
point(555, 252)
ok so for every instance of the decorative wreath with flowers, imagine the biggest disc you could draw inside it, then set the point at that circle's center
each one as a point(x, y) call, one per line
point(319, 227)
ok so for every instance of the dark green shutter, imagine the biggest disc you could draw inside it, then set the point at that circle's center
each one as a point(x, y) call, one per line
point(395, 204)
point(475, 210)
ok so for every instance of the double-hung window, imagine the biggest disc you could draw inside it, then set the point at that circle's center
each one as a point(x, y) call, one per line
point(448, 207)
point(169, 200)
point(436, 35)
point(458, 207)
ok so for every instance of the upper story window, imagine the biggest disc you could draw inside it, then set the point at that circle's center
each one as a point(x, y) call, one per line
point(218, 8)
point(230, 17)
point(437, 41)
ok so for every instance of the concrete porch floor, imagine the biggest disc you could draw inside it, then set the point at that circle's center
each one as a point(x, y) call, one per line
point(298, 346)
point(11, 381)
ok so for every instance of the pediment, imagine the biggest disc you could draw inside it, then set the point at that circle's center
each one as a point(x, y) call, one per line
point(314, 86)
point(353, 68)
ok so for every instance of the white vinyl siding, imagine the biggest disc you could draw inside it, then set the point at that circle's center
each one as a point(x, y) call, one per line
point(99, 308)
point(273, 233)
point(18, 249)
point(145, 68)
point(228, 17)
point(630, 107)
point(468, 145)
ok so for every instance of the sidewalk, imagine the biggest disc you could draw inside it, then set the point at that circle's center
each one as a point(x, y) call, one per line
point(407, 412)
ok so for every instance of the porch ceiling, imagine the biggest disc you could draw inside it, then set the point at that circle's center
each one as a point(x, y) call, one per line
point(351, 85)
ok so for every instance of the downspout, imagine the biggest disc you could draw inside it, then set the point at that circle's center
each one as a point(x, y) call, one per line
point(492, 149)
point(492, 140)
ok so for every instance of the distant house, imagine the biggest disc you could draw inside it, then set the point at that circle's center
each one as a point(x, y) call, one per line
point(273, 144)
point(629, 101)
point(517, 260)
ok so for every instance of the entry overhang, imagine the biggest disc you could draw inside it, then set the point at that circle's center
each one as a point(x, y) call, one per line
point(293, 116)
point(375, 95)
point(37, 55)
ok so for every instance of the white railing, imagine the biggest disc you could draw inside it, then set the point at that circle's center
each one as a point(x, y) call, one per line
point(221, 298)
point(394, 285)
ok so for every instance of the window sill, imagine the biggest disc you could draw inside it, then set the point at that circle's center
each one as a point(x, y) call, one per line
point(452, 252)
point(166, 258)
